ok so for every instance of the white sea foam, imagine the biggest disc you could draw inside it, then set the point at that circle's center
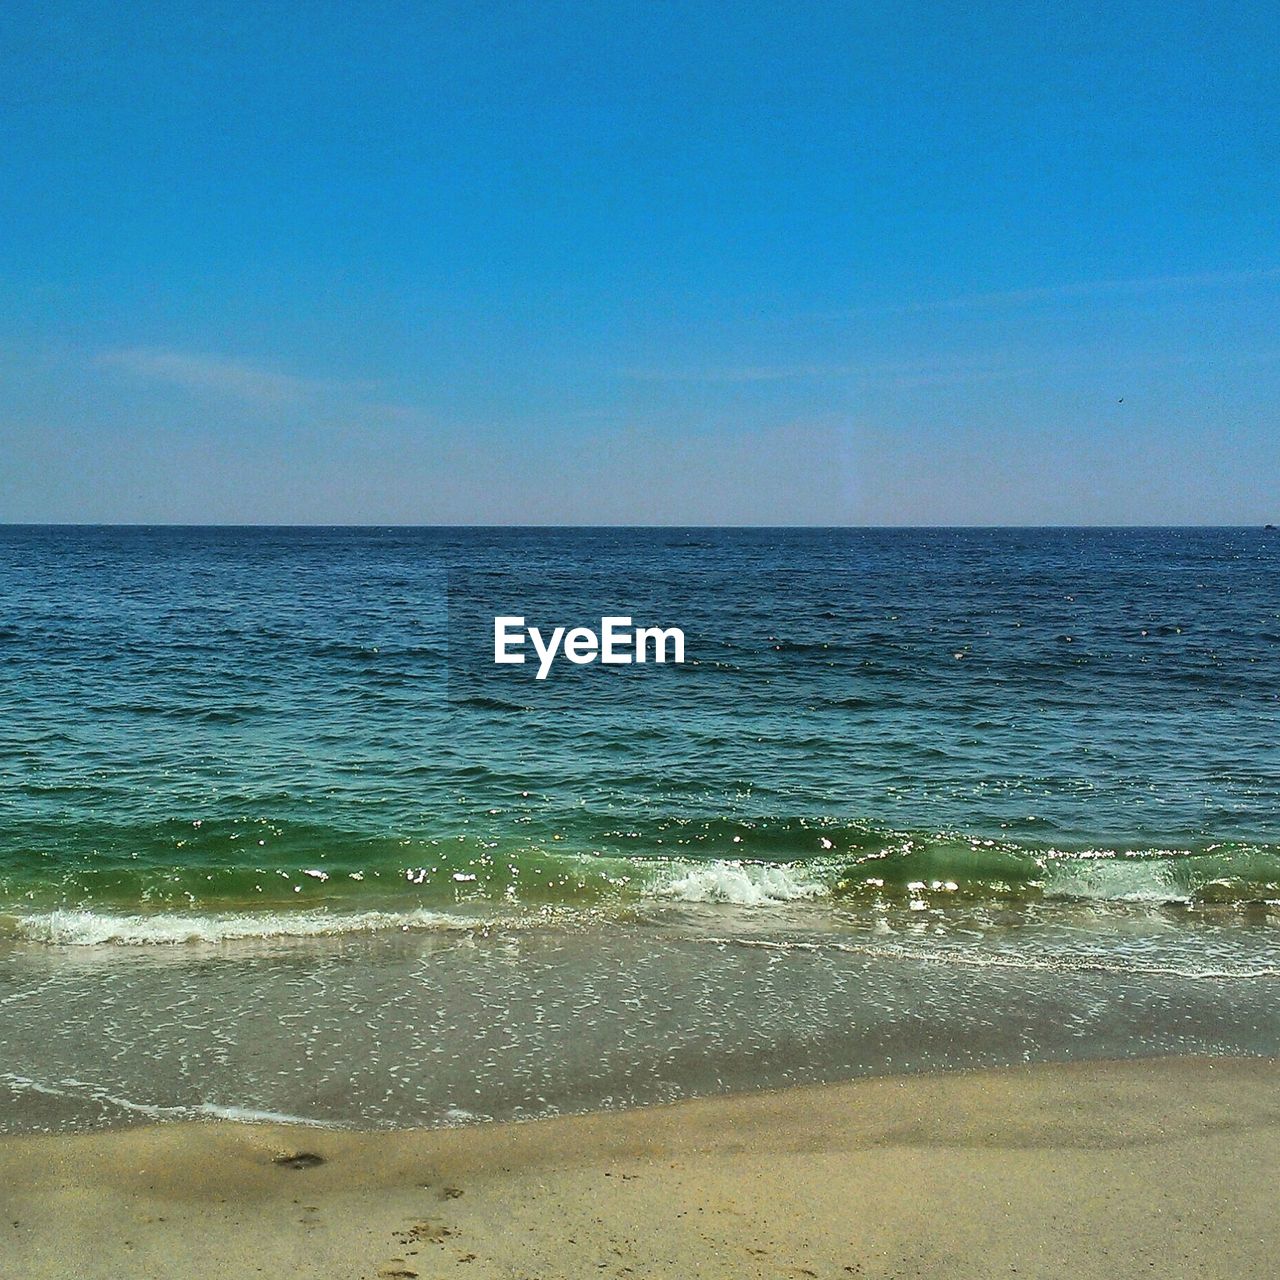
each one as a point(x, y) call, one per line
point(254, 1115)
point(94, 928)
point(743, 884)
point(1064, 962)
point(70, 1087)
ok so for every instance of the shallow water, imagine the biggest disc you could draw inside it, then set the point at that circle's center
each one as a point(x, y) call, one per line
point(452, 1024)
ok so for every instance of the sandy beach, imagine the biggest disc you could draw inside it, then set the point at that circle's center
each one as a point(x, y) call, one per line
point(1107, 1169)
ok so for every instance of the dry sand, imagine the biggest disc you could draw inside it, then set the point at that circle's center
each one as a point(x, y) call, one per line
point(1158, 1168)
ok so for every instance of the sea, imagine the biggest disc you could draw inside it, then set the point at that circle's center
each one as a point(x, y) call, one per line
point(278, 838)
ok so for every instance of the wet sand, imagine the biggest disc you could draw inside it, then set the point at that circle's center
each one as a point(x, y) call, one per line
point(1163, 1167)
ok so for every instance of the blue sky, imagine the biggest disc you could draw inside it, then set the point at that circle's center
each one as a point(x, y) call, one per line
point(639, 263)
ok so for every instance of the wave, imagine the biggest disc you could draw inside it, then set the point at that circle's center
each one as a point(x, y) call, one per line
point(735, 883)
point(738, 883)
point(94, 928)
point(908, 879)
point(219, 881)
point(1062, 961)
point(941, 869)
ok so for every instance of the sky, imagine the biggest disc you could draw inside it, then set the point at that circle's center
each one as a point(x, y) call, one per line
point(639, 263)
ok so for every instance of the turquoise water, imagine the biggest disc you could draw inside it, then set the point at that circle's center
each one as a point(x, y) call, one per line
point(201, 722)
point(278, 839)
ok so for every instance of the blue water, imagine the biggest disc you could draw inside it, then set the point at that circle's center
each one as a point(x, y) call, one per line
point(916, 799)
point(228, 721)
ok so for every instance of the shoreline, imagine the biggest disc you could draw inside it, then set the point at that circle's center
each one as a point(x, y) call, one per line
point(1085, 1168)
point(397, 1030)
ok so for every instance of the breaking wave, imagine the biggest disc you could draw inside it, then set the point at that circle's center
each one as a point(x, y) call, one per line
point(742, 884)
point(186, 895)
point(93, 928)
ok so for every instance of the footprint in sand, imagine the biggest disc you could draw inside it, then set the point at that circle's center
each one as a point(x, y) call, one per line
point(298, 1160)
point(434, 1232)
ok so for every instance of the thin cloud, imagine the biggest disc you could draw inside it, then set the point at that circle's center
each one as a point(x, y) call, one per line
point(1049, 294)
point(219, 375)
point(744, 373)
point(249, 383)
point(994, 367)
point(895, 374)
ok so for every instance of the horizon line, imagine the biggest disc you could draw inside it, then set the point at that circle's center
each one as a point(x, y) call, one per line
point(171, 524)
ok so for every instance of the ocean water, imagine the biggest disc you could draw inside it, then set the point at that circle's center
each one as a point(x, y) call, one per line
point(957, 767)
